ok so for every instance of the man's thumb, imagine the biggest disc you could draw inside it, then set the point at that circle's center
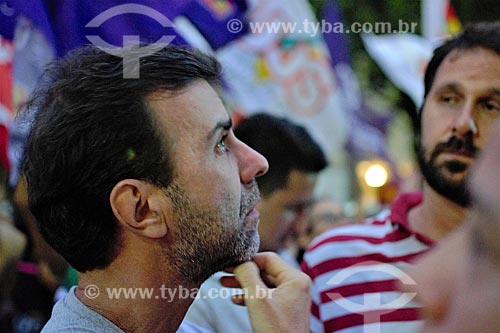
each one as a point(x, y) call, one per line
point(248, 275)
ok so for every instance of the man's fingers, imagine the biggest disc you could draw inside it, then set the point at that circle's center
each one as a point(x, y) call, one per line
point(275, 268)
point(248, 275)
point(268, 279)
point(278, 272)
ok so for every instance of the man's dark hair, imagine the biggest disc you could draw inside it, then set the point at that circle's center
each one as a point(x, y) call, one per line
point(92, 129)
point(285, 145)
point(483, 34)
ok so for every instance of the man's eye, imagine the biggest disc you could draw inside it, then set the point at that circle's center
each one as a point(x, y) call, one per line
point(450, 99)
point(221, 145)
point(491, 106)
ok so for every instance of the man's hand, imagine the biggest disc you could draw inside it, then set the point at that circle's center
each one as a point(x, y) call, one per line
point(277, 295)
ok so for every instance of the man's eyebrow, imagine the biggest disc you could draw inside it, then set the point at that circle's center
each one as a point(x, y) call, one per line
point(490, 93)
point(495, 92)
point(223, 124)
point(455, 87)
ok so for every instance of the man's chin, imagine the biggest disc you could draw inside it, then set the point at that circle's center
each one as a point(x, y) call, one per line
point(451, 185)
point(251, 251)
point(455, 191)
point(242, 255)
point(446, 177)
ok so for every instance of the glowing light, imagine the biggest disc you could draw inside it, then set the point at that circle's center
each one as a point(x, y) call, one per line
point(376, 175)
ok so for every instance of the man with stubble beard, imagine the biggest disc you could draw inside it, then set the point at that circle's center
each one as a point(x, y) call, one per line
point(462, 101)
point(142, 186)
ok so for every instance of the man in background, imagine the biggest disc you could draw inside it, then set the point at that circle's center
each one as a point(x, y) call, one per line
point(457, 282)
point(325, 214)
point(462, 101)
point(294, 161)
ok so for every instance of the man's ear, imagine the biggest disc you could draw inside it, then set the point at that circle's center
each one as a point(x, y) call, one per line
point(135, 206)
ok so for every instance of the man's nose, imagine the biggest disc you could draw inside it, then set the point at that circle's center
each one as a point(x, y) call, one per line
point(464, 123)
point(251, 163)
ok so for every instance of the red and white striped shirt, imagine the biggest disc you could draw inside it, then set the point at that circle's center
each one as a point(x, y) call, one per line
point(355, 270)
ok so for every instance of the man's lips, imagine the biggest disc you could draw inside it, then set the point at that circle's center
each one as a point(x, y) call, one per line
point(457, 147)
point(462, 153)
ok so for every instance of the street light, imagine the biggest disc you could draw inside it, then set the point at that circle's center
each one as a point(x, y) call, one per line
point(376, 175)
